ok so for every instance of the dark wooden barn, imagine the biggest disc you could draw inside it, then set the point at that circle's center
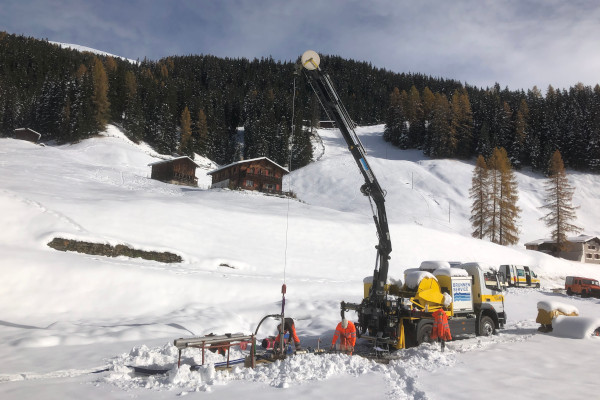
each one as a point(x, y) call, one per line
point(180, 171)
point(260, 174)
point(27, 134)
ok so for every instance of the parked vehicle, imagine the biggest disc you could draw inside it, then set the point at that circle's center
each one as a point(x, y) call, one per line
point(519, 276)
point(585, 287)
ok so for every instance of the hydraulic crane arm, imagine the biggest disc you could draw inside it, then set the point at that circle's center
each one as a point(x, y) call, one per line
point(329, 99)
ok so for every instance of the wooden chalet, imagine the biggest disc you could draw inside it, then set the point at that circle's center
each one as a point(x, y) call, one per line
point(582, 248)
point(27, 134)
point(179, 171)
point(260, 174)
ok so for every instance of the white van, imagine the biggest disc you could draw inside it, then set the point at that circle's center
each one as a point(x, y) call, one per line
point(519, 276)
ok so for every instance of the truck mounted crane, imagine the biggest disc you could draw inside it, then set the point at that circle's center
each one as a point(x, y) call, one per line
point(391, 316)
point(373, 312)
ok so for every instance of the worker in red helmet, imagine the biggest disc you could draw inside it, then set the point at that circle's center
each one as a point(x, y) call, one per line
point(346, 332)
point(441, 330)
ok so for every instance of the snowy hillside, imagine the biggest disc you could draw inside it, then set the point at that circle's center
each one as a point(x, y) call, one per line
point(65, 315)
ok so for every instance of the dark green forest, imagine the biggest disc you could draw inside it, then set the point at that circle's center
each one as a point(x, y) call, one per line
point(195, 103)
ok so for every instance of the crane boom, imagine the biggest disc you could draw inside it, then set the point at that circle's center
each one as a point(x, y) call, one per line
point(330, 101)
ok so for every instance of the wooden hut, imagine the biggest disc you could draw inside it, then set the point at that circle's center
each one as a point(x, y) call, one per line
point(260, 174)
point(180, 171)
point(27, 134)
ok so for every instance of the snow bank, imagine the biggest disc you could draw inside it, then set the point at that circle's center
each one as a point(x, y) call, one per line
point(575, 327)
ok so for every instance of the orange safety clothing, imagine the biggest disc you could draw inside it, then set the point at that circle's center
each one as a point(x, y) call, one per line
point(289, 327)
point(440, 329)
point(347, 336)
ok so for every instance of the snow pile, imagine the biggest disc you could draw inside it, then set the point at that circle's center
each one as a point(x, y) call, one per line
point(401, 374)
point(433, 265)
point(575, 327)
point(550, 305)
point(414, 278)
point(450, 272)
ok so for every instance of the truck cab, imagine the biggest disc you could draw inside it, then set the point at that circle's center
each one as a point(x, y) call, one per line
point(470, 294)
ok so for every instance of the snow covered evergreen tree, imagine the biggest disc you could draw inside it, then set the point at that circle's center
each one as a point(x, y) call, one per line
point(394, 118)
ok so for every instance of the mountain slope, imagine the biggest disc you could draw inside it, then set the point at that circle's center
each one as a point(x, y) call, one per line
point(71, 312)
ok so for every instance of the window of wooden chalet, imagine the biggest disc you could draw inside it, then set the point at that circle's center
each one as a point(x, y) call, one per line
point(249, 183)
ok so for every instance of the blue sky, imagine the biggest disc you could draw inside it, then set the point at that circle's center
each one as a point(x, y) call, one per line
point(517, 43)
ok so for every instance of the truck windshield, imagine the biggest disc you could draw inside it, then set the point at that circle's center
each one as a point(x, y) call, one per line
point(590, 282)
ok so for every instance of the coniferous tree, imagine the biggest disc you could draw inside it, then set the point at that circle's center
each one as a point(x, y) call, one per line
point(414, 117)
point(479, 194)
point(200, 134)
point(593, 145)
point(504, 212)
point(442, 139)
point(520, 135)
point(508, 232)
point(461, 123)
point(558, 203)
point(428, 104)
point(133, 115)
point(484, 146)
point(100, 95)
point(394, 118)
point(185, 142)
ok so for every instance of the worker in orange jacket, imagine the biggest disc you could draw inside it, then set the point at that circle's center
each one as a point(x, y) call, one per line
point(346, 332)
point(441, 330)
point(289, 328)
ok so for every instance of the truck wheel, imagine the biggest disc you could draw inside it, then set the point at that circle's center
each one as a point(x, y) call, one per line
point(486, 326)
point(424, 333)
point(569, 292)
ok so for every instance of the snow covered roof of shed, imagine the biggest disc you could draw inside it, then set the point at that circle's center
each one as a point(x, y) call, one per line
point(173, 159)
point(247, 161)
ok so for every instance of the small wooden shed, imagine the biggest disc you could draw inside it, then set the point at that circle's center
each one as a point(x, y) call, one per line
point(180, 171)
point(260, 174)
point(27, 134)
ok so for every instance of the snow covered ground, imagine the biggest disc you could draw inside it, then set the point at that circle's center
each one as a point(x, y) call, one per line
point(66, 316)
